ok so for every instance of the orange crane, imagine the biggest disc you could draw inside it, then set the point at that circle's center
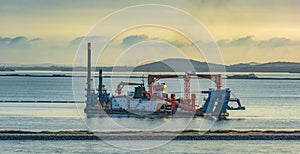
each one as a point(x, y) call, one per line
point(217, 78)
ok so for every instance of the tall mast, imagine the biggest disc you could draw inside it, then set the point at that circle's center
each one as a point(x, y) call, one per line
point(89, 76)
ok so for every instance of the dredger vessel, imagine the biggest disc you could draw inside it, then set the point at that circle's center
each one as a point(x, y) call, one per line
point(153, 101)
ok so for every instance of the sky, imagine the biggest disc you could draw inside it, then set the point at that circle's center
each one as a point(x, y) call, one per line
point(50, 32)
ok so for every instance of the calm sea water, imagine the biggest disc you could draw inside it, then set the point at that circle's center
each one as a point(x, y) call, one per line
point(174, 147)
point(270, 105)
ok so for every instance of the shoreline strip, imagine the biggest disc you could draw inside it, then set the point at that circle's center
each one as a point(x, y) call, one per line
point(16, 136)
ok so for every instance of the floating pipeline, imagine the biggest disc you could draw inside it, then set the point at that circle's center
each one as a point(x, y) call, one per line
point(147, 135)
point(64, 75)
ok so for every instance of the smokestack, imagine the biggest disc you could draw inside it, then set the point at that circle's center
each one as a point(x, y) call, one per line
point(100, 83)
point(218, 81)
point(89, 79)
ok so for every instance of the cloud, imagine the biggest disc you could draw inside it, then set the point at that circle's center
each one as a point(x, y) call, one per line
point(22, 49)
point(275, 42)
point(248, 41)
point(36, 40)
point(177, 43)
point(4, 41)
point(133, 39)
point(244, 41)
point(78, 40)
point(19, 42)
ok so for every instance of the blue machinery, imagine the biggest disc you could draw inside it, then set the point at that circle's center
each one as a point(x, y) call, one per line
point(218, 103)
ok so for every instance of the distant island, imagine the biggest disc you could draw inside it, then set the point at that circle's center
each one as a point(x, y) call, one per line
point(4, 68)
point(182, 65)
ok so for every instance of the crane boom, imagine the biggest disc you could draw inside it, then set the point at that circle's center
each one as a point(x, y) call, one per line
point(217, 78)
point(153, 78)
